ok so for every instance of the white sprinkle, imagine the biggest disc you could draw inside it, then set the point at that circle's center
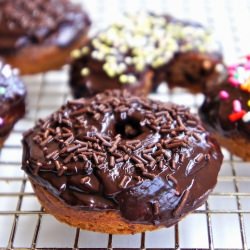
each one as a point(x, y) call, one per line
point(6, 71)
point(246, 117)
point(128, 60)
point(131, 79)
point(121, 68)
point(98, 55)
point(220, 68)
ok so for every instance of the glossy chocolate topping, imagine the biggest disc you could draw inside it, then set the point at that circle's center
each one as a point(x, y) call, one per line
point(25, 22)
point(119, 56)
point(226, 108)
point(150, 161)
point(12, 98)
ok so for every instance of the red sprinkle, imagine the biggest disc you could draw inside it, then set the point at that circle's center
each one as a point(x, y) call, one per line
point(236, 116)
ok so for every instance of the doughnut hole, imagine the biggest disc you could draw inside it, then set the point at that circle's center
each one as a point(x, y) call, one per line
point(129, 128)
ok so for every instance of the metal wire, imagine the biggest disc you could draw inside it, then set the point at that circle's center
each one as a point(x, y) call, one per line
point(46, 86)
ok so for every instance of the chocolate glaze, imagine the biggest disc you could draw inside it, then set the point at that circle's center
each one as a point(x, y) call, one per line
point(165, 58)
point(152, 162)
point(47, 22)
point(215, 111)
point(12, 98)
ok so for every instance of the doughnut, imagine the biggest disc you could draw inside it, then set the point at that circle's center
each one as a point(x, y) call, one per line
point(12, 99)
point(122, 164)
point(142, 51)
point(38, 35)
point(226, 109)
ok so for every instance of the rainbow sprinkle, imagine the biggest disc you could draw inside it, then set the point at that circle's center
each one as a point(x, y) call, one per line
point(246, 117)
point(239, 77)
point(223, 95)
point(236, 116)
point(2, 90)
point(237, 106)
point(1, 121)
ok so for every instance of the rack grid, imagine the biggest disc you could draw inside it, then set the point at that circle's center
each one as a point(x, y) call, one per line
point(222, 223)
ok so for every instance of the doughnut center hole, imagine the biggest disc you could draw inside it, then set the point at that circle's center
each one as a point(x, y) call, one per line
point(129, 128)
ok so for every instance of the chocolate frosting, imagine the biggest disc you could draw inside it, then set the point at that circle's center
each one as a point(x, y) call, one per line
point(12, 98)
point(220, 112)
point(151, 162)
point(47, 22)
point(119, 56)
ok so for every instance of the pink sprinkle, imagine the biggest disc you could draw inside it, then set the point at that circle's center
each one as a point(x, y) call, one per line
point(237, 106)
point(231, 72)
point(223, 95)
point(234, 82)
point(232, 67)
point(248, 57)
point(1, 121)
point(247, 65)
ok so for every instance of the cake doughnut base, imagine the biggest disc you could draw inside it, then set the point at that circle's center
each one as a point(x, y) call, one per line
point(191, 70)
point(42, 58)
point(239, 147)
point(110, 222)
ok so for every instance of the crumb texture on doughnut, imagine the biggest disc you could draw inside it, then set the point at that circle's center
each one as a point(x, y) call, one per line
point(184, 54)
point(144, 161)
point(12, 99)
point(34, 32)
point(226, 109)
point(101, 221)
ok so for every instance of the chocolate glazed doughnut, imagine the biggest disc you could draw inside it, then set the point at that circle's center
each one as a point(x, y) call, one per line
point(118, 163)
point(142, 51)
point(226, 109)
point(12, 99)
point(38, 35)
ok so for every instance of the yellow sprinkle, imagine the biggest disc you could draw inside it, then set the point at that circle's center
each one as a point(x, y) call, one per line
point(85, 50)
point(85, 72)
point(123, 79)
point(158, 62)
point(139, 66)
point(124, 49)
point(248, 103)
point(104, 49)
point(96, 43)
point(246, 86)
point(110, 72)
point(75, 54)
point(102, 36)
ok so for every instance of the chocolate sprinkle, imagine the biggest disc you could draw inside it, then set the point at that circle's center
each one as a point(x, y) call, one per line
point(156, 208)
point(85, 179)
point(177, 212)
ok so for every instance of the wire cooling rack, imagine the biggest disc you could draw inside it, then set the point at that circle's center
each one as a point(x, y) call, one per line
point(222, 223)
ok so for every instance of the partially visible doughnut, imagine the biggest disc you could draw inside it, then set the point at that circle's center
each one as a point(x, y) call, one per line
point(12, 99)
point(226, 109)
point(38, 35)
point(142, 51)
